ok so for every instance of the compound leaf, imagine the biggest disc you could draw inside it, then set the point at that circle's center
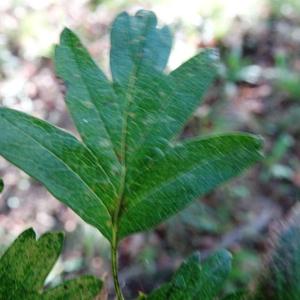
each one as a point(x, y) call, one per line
point(26, 264)
point(193, 281)
point(128, 172)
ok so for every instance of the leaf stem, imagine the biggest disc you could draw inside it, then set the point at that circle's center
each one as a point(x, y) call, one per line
point(114, 265)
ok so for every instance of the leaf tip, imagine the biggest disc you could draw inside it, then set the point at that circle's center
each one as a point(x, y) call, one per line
point(67, 36)
point(225, 254)
point(28, 233)
point(122, 17)
point(123, 14)
point(148, 15)
point(195, 257)
point(259, 141)
point(258, 144)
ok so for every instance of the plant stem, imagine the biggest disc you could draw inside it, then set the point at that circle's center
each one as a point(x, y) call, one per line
point(114, 266)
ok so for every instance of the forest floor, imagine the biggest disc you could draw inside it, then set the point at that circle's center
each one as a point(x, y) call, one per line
point(258, 91)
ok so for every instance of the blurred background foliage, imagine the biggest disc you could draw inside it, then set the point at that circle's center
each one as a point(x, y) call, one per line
point(258, 90)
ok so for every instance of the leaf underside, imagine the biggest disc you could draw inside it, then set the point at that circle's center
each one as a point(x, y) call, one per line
point(129, 172)
point(26, 264)
point(193, 281)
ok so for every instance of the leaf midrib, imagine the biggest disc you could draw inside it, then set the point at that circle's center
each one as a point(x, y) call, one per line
point(120, 199)
point(123, 152)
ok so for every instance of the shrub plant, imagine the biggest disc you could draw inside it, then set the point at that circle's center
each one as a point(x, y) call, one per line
point(129, 171)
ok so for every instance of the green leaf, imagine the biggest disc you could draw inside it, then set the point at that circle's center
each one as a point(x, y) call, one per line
point(280, 280)
point(83, 287)
point(91, 100)
point(67, 168)
point(129, 172)
point(136, 43)
point(1, 185)
point(193, 281)
point(184, 172)
point(26, 264)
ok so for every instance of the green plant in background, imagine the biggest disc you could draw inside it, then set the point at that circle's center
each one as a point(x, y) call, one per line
point(281, 277)
point(192, 281)
point(26, 264)
point(129, 171)
point(235, 65)
point(286, 79)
